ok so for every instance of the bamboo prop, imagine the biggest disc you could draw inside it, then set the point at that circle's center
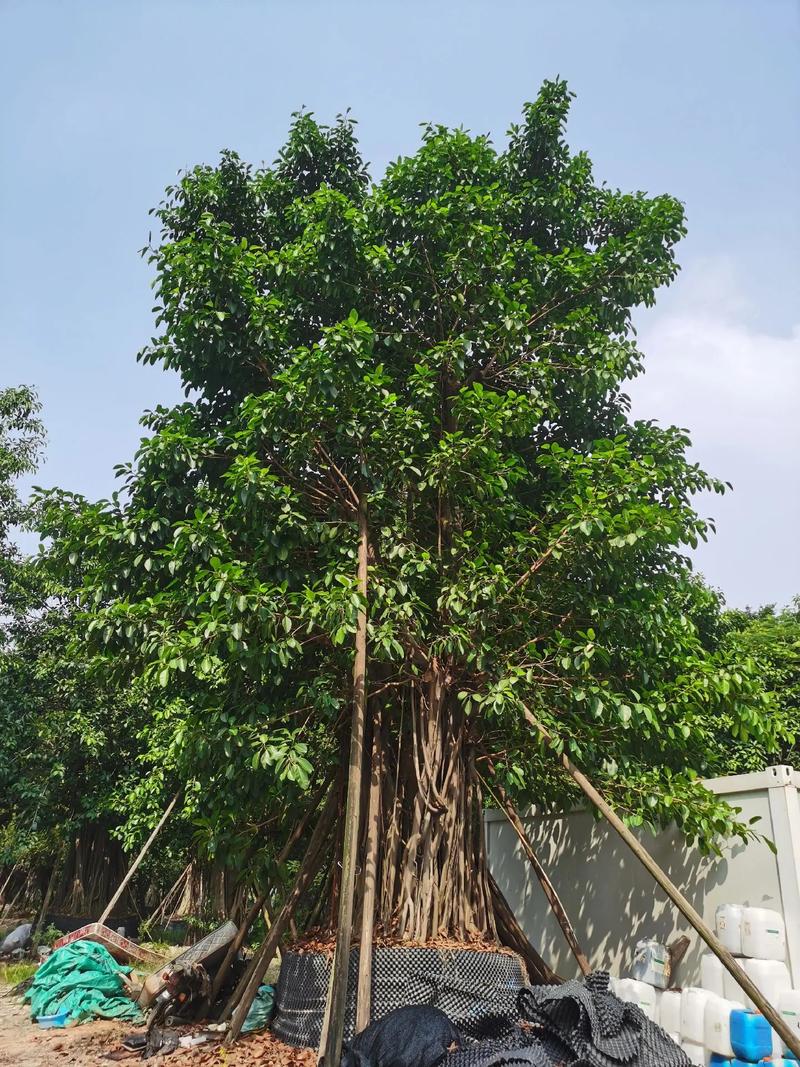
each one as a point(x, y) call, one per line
point(548, 888)
point(133, 867)
point(238, 991)
point(364, 994)
point(341, 957)
point(233, 948)
point(514, 937)
point(774, 1017)
point(244, 995)
point(51, 883)
point(5, 884)
point(326, 1021)
point(3, 904)
point(259, 903)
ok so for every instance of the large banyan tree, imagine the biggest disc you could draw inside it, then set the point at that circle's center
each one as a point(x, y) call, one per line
point(438, 357)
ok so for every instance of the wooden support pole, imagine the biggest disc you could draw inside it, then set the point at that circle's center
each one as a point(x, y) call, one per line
point(548, 888)
point(133, 867)
point(364, 995)
point(260, 901)
point(772, 1015)
point(51, 883)
point(341, 957)
point(244, 995)
point(5, 884)
point(514, 937)
point(233, 948)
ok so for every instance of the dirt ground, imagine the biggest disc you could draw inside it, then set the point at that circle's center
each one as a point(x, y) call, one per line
point(97, 1044)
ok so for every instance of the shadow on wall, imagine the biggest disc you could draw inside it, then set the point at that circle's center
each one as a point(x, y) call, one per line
point(611, 899)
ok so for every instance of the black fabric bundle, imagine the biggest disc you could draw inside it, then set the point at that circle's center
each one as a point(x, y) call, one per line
point(594, 1028)
point(414, 1036)
point(577, 1024)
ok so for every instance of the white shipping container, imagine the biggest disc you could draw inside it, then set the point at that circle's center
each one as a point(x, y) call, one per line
point(583, 851)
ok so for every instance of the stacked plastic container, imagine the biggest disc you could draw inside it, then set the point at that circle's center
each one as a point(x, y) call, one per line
point(648, 985)
point(734, 1034)
point(716, 1023)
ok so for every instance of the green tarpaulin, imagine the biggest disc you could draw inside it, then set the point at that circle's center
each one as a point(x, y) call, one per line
point(85, 981)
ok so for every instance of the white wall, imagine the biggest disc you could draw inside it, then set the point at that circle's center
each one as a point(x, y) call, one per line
point(612, 900)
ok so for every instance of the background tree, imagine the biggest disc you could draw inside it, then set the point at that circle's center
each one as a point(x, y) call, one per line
point(771, 638)
point(447, 347)
point(21, 442)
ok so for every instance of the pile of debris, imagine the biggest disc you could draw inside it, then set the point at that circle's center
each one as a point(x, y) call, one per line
point(97, 973)
point(491, 1018)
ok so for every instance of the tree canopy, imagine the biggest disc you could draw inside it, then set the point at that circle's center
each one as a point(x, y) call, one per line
point(449, 346)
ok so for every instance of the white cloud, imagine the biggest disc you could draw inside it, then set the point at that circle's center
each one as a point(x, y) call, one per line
point(737, 389)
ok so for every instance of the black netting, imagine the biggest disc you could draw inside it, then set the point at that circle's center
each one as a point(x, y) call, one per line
point(597, 1028)
point(476, 990)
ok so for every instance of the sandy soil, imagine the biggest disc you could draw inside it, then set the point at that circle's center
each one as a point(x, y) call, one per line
point(23, 1044)
point(97, 1044)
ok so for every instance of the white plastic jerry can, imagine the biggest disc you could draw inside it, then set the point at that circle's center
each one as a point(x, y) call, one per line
point(712, 974)
point(669, 1011)
point(763, 934)
point(717, 1026)
point(771, 976)
point(693, 1010)
point(696, 1053)
point(729, 927)
point(789, 1007)
point(635, 992)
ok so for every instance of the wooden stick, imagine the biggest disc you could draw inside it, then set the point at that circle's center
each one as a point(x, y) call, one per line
point(364, 995)
point(5, 884)
point(548, 888)
point(145, 849)
point(46, 902)
point(774, 1017)
point(233, 948)
point(260, 901)
point(514, 937)
point(326, 1020)
point(341, 957)
point(261, 961)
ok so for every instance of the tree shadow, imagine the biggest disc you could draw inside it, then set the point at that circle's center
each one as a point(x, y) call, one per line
point(611, 898)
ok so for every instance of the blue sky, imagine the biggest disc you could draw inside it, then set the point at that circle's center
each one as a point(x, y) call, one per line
point(104, 102)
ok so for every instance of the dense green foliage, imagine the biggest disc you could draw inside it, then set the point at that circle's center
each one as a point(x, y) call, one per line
point(450, 344)
point(770, 637)
point(21, 442)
